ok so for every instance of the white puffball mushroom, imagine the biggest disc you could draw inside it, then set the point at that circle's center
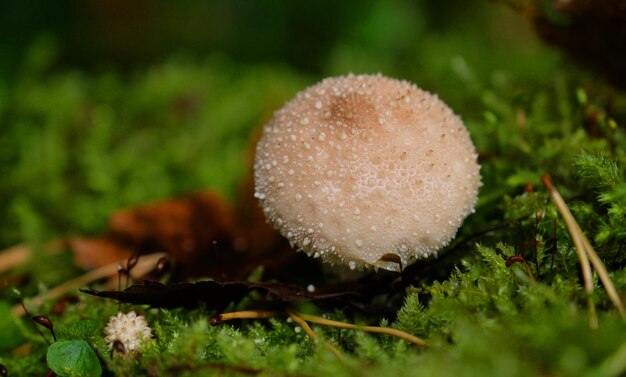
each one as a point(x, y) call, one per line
point(360, 167)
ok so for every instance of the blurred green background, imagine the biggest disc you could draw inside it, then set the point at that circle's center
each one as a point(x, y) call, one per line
point(107, 104)
point(111, 104)
point(316, 37)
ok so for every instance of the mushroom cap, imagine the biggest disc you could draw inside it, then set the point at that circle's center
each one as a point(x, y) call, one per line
point(366, 170)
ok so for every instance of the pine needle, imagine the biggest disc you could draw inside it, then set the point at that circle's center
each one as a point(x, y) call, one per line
point(586, 254)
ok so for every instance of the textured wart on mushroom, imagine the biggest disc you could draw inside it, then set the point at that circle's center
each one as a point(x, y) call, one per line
point(358, 167)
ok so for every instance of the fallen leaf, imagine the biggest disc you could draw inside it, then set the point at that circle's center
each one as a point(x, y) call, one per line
point(591, 32)
point(203, 236)
point(213, 294)
point(91, 253)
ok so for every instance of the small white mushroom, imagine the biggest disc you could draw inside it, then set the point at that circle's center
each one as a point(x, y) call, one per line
point(357, 168)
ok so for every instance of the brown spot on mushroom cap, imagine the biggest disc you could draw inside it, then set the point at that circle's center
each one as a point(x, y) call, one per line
point(358, 167)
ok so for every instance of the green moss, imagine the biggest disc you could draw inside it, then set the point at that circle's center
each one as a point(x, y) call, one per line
point(77, 145)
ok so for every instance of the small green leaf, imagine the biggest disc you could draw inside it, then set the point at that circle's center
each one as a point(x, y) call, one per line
point(73, 358)
point(11, 334)
point(81, 329)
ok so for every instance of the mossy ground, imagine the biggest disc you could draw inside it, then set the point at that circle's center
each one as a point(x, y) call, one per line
point(76, 145)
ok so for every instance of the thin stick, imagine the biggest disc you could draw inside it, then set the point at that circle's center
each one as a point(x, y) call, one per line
point(585, 251)
point(262, 314)
point(21, 253)
point(14, 256)
point(244, 314)
point(257, 314)
point(309, 331)
point(374, 329)
point(145, 265)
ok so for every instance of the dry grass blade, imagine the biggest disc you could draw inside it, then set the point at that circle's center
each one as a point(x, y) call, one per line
point(604, 276)
point(146, 264)
point(14, 256)
point(586, 253)
point(17, 255)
